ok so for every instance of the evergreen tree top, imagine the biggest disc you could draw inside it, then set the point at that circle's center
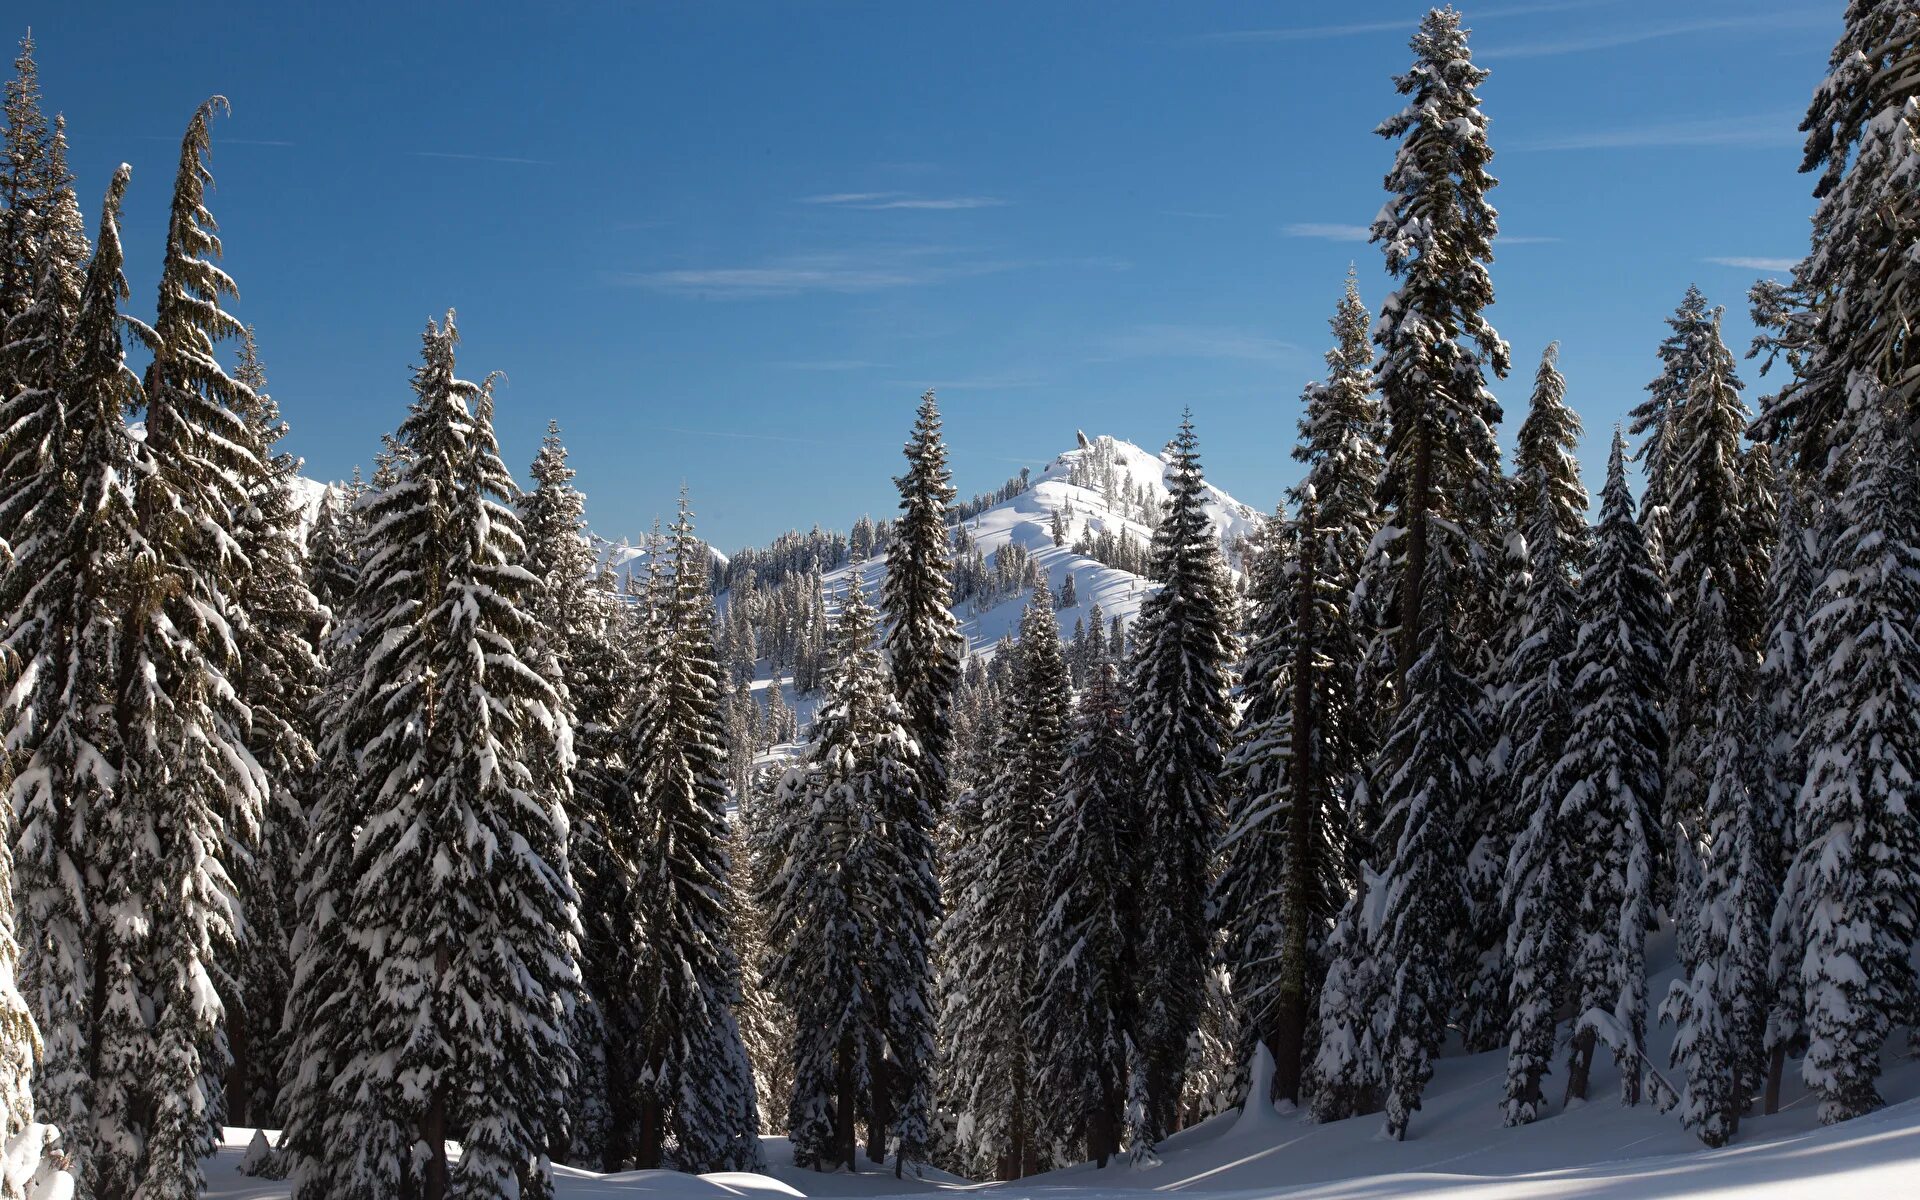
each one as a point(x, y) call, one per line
point(1546, 471)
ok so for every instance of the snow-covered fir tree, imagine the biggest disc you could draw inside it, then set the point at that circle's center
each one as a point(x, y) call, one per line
point(279, 679)
point(1532, 896)
point(923, 646)
point(1783, 764)
point(1346, 1074)
point(1683, 352)
point(990, 975)
point(696, 1108)
point(464, 750)
point(1857, 873)
point(1182, 718)
point(827, 894)
point(1532, 708)
point(1442, 475)
point(1707, 568)
point(1719, 1005)
point(1083, 1003)
point(1302, 732)
point(1427, 790)
point(582, 627)
point(189, 796)
point(1609, 784)
point(1838, 319)
point(66, 461)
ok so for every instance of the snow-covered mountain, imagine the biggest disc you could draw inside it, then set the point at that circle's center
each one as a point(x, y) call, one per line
point(1104, 486)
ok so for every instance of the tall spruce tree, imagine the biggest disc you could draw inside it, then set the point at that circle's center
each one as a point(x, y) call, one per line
point(580, 624)
point(279, 678)
point(1609, 784)
point(1707, 569)
point(828, 894)
point(1783, 765)
point(923, 645)
point(1182, 719)
point(1442, 476)
point(1532, 703)
point(24, 192)
point(465, 756)
point(1428, 782)
point(991, 974)
point(190, 794)
point(1682, 353)
point(1719, 1004)
point(66, 463)
point(1839, 317)
point(1857, 872)
point(1302, 732)
point(696, 1106)
point(1083, 1002)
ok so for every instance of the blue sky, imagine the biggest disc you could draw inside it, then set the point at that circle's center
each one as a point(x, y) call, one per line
point(729, 243)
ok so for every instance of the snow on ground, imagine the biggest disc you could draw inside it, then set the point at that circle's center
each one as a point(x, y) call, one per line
point(1456, 1148)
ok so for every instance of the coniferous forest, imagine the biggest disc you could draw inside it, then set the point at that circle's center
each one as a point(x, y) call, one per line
point(389, 816)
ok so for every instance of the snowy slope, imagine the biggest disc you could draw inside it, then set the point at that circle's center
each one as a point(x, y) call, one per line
point(1456, 1148)
point(1026, 520)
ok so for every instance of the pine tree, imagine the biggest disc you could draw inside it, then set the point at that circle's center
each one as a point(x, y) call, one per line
point(1302, 734)
point(1707, 568)
point(1857, 871)
point(1083, 1005)
point(1182, 718)
point(1428, 787)
point(1442, 458)
point(827, 897)
point(580, 627)
point(1839, 318)
point(923, 646)
point(23, 191)
point(1536, 722)
point(190, 794)
point(1783, 766)
point(333, 570)
point(1683, 353)
point(1609, 781)
point(279, 678)
point(991, 969)
point(1346, 1076)
point(697, 1106)
point(1719, 1005)
point(465, 752)
point(1532, 705)
point(66, 461)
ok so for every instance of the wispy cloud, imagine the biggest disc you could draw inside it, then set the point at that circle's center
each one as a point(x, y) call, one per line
point(1756, 131)
point(1326, 232)
point(1609, 39)
point(1406, 25)
point(880, 201)
point(829, 364)
point(842, 272)
point(1002, 381)
point(492, 158)
point(1524, 239)
point(1192, 341)
point(1750, 263)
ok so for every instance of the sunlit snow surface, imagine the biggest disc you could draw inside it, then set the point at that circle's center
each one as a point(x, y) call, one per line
point(1455, 1148)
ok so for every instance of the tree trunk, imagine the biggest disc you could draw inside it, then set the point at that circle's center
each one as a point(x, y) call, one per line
point(1580, 1065)
point(1289, 1034)
point(240, 1046)
point(1413, 582)
point(845, 1115)
point(1103, 1128)
point(880, 1120)
point(1776, 1067)
point(436, 1181)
